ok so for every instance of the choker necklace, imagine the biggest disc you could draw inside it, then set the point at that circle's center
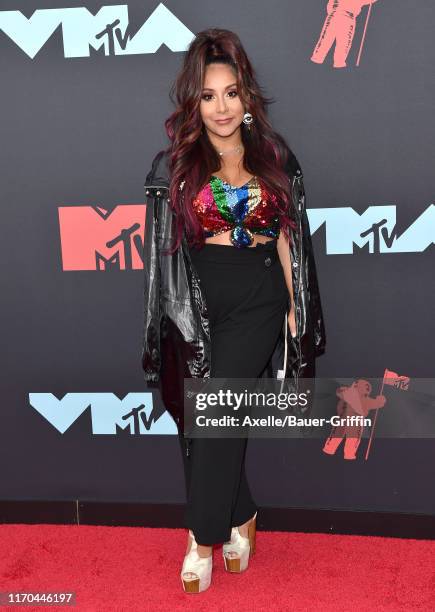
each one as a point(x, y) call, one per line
point(237, 149)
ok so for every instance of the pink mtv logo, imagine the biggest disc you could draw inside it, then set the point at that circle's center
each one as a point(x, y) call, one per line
point(93, 238)
point(339, 27)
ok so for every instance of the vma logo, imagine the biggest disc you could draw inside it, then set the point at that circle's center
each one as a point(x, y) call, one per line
point(339, 27)
point(133, 415)
point(109, 30)
point(374, 230)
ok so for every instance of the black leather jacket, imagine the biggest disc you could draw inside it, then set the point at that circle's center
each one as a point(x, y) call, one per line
point(176, 339)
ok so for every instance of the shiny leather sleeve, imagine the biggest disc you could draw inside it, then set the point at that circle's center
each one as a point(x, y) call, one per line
point(152, 302)
point(315, 304)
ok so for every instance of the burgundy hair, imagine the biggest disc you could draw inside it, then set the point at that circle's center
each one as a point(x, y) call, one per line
point(192, 157)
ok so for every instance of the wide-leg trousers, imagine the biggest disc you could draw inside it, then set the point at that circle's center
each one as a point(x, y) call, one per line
point(246, 297)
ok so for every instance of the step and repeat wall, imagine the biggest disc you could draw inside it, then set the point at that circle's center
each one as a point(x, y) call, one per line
point(85, 92)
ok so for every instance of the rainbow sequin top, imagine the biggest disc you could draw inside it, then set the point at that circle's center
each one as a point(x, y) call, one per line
point(246, 210)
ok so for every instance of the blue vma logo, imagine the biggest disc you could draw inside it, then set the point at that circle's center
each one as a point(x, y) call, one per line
point(132, 415)
point(375, 230)
point(108, 31)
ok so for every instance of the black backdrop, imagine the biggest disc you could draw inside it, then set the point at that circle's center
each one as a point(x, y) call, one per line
point(81, 120)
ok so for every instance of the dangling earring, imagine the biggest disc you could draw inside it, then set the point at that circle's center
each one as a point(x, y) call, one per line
point(248, 119)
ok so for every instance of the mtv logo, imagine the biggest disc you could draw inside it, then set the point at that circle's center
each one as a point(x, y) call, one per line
point(93, 238)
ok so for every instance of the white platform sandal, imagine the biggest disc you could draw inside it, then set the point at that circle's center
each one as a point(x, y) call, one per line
point(196, 571)
point(236, 552)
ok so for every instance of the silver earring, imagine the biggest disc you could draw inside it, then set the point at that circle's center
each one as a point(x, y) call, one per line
point(248, 118)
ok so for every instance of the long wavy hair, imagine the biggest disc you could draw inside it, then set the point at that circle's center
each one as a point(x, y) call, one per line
point(193, 158)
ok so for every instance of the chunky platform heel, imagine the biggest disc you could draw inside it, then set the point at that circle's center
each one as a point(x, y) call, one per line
point(237, 551)
point(196, 571)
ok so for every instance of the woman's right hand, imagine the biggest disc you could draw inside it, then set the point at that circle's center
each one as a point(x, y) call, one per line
point(292, 320)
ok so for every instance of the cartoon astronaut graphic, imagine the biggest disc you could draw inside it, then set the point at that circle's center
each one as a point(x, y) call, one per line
point(339, 26)
point(354, 404)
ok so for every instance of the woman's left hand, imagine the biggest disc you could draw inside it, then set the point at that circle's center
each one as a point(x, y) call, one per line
point(292, 320)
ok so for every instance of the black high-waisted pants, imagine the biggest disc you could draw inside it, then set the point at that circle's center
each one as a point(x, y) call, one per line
point(246, 297)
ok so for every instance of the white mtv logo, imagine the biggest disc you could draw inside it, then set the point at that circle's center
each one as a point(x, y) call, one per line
point(109, 28)
point(107, 411)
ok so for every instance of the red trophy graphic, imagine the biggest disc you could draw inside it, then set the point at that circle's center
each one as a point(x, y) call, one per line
point(339, 27)
point(353, 406)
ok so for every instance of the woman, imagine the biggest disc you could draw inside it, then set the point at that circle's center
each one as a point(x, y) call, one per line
point(229, 269)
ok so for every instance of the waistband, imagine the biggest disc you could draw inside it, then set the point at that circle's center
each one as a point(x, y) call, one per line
point(245, 255)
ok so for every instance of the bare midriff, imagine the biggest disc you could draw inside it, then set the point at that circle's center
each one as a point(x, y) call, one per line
point(224, 238)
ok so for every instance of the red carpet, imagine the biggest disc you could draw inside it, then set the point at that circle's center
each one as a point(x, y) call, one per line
point(123, 568)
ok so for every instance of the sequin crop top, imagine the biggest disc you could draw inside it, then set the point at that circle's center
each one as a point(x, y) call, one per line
point(246, 210)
